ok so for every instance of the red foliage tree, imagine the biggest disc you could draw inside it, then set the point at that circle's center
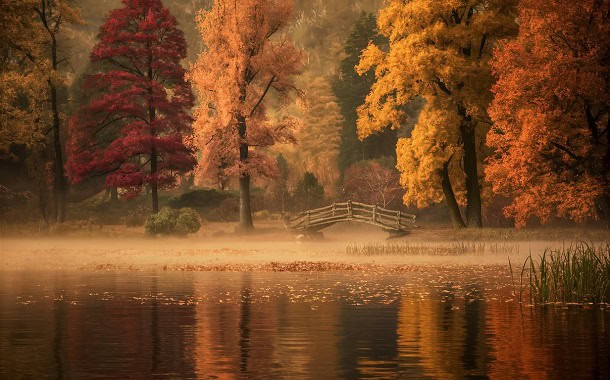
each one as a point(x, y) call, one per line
point(551, 127)
point(374, 182)
point(135, 127)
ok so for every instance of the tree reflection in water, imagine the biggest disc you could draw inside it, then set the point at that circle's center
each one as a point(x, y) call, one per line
point(328, 325)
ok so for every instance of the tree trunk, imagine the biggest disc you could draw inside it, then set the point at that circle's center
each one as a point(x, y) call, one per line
point(114, 194)
point(606, 174)
point(473, 188)
point(59, 181)
point(245, 210)
point(452, 205)
point(154, 187)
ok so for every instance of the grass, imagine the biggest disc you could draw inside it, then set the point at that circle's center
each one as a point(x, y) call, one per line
point(405, 248)
point(505, 234)
point(579, 273)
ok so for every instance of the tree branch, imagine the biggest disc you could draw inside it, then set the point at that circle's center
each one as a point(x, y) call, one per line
point(566, 150)
point(442, 86)
point(260, 100)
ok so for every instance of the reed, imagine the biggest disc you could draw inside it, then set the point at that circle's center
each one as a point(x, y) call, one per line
point(579, 273)
point(406, 248)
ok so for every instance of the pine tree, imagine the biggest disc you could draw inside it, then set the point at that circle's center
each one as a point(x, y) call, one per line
point(351, 90)
point(318, 137)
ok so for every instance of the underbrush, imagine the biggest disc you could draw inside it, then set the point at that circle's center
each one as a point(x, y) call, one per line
point(168, 221)
point(407, 248)
point(579, 274)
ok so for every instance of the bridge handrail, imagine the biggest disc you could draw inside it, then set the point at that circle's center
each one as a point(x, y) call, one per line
point(345, 205)
point(350, 210)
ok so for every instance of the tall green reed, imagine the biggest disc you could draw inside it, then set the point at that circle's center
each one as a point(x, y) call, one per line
point(579, 273)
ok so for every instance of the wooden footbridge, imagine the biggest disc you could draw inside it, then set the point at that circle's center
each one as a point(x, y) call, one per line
point(396, 223)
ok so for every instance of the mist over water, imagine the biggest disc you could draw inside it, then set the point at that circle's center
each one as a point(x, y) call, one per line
point(287, 325)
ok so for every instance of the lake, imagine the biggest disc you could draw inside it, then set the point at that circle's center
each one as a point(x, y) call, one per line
point(421, 323)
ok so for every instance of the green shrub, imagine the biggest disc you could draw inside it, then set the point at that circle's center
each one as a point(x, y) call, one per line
point(168, 221)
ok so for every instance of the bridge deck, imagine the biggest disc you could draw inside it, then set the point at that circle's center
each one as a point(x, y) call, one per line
point(395, 222)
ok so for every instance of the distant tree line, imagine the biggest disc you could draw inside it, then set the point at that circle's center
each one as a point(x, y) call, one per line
point(474, 105)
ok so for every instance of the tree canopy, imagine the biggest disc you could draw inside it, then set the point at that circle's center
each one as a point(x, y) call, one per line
point(551, 129)
point(439, 51)
point(145, 94)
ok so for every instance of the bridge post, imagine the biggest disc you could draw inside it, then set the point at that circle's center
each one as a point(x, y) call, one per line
point(398, 214)
point(334, 208)
point(308, 218)
point(375, 214)
point(350, 212)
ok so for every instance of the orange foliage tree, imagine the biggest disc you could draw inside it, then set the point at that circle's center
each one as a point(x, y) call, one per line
point(550, 111)
point(439, 50)
point(248, 57)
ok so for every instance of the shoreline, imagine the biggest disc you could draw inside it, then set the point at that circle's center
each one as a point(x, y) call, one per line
point(345, 247)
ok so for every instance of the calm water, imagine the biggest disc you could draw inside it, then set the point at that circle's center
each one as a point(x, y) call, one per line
point(435, 324)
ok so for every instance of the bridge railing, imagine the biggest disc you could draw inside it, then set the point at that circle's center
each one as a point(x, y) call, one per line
point(337, 212)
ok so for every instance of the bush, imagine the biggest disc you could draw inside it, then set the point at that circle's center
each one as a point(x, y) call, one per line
point(227, 211)
point(170, 221)
point(200, 198)
point(266, 215)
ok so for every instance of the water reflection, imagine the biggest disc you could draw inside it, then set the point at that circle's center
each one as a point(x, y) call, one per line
point(226, 325)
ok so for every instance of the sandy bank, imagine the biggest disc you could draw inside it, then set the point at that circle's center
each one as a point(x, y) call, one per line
point(271, 252)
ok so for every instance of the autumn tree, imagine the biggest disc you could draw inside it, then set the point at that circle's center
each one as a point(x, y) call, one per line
point(22, 91)
point(318, 137)
point(135, 128)
point(20, 71)
point(374, 182)
point(551, 127)
point(34, 55)
point(438, 50)
point(248, 57)
point(351, 90)
point(55, 16)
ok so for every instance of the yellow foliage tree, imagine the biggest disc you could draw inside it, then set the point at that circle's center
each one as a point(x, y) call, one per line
point(30, 78)
point(439, 50)
point(23, 111)
point(318, 137)
point(20, 77)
